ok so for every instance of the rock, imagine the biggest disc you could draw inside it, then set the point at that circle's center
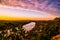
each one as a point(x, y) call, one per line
point(29, 26)
point(57, 37)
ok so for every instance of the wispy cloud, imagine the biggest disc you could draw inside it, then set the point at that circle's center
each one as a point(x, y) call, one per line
point(49, 6)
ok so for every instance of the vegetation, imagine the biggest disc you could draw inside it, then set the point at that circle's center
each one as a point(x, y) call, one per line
point(44, 30)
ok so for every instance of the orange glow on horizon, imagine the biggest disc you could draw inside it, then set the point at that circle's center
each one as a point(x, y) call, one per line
point(22, 18)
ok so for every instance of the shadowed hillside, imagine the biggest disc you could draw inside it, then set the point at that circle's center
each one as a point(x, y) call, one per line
point(43, 30)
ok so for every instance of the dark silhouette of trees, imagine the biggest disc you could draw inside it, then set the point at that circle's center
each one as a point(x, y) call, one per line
point(44, 30)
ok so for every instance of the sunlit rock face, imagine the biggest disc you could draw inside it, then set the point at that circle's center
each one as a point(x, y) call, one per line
point(57, 37)
point(29, 26)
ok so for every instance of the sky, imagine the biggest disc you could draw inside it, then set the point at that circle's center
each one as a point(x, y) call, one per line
point(31, 9)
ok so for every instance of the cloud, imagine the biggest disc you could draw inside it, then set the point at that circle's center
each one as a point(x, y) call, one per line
point(50, 6)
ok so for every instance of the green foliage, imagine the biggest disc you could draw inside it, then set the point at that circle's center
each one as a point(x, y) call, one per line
point(43, 30)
